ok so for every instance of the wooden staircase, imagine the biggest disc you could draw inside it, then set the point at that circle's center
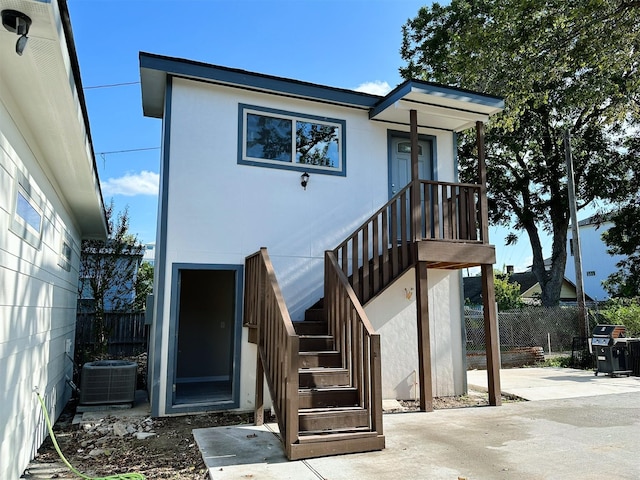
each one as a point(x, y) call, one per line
point(323, 373)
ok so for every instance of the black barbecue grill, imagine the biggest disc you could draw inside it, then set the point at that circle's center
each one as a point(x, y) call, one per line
point(610, 349)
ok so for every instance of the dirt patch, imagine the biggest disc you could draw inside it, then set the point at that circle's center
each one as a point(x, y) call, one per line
point(121, 442)
point(160, 448)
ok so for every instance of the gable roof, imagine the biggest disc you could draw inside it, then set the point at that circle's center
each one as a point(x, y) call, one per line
point(438, 106)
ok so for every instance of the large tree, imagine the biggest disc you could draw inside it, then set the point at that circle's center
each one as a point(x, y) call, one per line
point(560, 66)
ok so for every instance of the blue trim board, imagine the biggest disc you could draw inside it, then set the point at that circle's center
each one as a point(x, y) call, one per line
point(172, 358)
point(204, 71)
point(427, 88)
point(342, 171)
point(161, 262)
point(456, 172)
point(168, 66)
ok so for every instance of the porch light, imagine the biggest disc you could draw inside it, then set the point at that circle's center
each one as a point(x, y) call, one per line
point(18, 23)
point(304, 180)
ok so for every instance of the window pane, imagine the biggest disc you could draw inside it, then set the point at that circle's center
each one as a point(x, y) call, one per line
point(268, 137)
point(317, 144)
point(30, 215)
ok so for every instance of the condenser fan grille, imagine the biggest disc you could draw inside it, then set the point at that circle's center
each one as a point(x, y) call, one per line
point(108, 381)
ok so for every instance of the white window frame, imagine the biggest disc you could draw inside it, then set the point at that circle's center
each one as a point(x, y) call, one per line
point(245, 159)
point(20, 225)
point(66, 245)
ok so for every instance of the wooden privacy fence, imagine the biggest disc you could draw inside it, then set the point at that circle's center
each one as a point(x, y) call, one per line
point(127, 333)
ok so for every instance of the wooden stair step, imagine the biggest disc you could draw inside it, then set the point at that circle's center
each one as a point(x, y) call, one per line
point(319, 359)
point(314, 314)
point(322, 377)
point(328, 397)
point(310, 327)
point(316, 343)
point(333, 419)
point(322, 445)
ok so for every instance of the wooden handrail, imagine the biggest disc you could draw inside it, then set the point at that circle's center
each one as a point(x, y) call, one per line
point(355, 338)
point(382, 247)
point(277, 343)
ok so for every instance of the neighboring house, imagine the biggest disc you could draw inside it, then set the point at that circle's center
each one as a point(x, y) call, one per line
point(149, 255)
point(120, 270)
point(597, 264)
point(50, 200)
point(252, 160)
point(530, 290)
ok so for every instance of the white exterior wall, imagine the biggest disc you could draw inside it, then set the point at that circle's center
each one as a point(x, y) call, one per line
point(37, 302)
point(594, 259)
point(393, 315)
point(219, 212)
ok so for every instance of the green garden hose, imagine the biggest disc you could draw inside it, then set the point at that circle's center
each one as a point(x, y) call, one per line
point(122, 476)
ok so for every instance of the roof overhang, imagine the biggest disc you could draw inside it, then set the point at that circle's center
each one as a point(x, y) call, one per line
point(437, 106)
point(43, 91)
point(154, 70)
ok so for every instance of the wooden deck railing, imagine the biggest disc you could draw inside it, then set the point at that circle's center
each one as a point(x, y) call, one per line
point(277, 344)
point(355, 338)
point(382, 248)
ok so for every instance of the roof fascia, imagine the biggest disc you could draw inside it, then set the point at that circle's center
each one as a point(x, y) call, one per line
point(428, 88)
point(243, 78)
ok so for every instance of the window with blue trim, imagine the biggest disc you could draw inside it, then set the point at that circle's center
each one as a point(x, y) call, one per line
point(280, 139)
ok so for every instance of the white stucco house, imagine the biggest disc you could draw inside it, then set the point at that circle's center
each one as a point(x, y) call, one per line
point(252, 160)
point(597, 263)
point(50, 200)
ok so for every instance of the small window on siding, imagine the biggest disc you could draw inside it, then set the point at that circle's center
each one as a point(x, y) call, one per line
point(66, 251)
point(279, 139)
point(27, 213)
point(591, 273)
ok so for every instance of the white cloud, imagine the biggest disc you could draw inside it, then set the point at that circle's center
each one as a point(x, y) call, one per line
point(377, 88)
point(131, 184)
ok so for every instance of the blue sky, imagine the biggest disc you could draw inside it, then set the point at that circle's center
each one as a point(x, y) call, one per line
point(342, 43)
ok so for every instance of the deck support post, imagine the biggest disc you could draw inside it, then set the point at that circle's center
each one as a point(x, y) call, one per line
point(424, 337)
point(258, 415)
point(491, 336)
point(414, 201)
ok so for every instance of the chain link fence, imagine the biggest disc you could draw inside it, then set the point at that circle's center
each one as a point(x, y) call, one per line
point(552, 328)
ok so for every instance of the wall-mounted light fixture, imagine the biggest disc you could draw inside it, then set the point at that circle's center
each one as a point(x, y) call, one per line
point(18, 23)
point(304, 180)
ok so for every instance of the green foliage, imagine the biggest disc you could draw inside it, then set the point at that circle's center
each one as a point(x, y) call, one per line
point(624, 311)
point(560, 66)
point(143, 286)
point(563, 361)
point(107, 271)
point(507, 294)
point(624, 239)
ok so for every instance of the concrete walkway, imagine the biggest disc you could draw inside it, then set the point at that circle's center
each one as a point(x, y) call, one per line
point(554, 383)
point(576, 426)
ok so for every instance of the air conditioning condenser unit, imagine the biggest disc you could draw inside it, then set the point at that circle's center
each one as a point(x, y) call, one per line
point(108, 381)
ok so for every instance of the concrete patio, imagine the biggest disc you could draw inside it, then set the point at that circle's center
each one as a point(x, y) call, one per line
point(576, 425)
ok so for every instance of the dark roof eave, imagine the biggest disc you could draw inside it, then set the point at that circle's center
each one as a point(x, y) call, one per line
point(233, 76)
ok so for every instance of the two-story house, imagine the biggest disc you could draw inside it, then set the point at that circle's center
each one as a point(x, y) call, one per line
point(357, 293)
